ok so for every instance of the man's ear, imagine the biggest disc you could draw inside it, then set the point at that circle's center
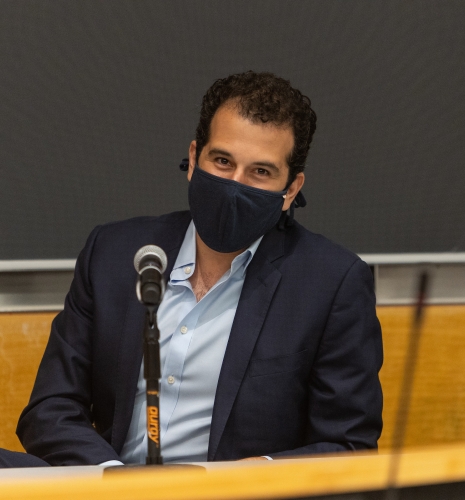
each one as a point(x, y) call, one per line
point(192, 159)
point(293, 189)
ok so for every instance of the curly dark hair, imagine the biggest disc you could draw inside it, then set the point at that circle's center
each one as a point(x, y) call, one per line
point(267, 98)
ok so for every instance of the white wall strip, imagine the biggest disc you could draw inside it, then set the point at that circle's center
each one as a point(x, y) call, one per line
point(398, 284)
point(34, 291)
point(10, 266)
point(413, 258)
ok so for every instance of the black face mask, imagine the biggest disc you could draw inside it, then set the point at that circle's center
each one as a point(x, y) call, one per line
point(228, 215)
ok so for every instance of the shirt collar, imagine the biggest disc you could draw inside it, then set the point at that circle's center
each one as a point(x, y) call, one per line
point(185, 262)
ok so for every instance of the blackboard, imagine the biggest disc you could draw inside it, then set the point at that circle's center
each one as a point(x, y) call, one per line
point(100, 99)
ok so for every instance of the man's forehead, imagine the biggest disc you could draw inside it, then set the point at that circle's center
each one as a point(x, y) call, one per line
point(230, 113)
point(235, 105)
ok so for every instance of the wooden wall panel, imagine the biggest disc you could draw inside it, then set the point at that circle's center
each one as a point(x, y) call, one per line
point(23, 337)
point(438, 404)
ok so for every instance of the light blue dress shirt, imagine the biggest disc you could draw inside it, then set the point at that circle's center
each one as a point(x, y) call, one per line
point(193, 339)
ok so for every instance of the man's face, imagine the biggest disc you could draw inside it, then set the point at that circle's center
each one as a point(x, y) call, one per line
point(250, 153)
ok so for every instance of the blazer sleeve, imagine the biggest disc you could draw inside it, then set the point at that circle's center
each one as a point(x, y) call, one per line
point(57, 425)
point(345, 397)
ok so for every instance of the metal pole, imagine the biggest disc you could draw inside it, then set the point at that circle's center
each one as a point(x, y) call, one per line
point(152, 375)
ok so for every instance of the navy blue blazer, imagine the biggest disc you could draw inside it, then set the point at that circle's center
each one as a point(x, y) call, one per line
point(300, 372)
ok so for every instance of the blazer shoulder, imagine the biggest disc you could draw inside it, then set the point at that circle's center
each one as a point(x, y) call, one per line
point(137, 228)
point(172, 222)
point(120, 240)
point(307, 246)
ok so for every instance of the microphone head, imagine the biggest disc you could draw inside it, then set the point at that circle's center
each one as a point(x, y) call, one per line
point(150, 251)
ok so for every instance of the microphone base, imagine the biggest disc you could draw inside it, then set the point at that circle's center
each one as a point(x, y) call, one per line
point(124, 468)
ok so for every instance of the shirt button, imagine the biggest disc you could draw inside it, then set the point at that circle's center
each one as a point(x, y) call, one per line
point(183, 329)
point(187, 269)
point(171, 379)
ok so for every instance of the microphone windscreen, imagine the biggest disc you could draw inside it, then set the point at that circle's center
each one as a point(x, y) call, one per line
point(150, 251)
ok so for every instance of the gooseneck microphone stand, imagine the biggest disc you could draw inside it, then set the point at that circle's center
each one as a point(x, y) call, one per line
point(150, 263)
point(405, 395)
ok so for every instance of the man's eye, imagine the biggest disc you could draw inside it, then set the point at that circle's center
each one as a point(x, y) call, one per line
point(222, 161)
point(262, 171)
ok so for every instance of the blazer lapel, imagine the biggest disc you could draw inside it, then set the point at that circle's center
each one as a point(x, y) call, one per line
point(169, 238)
point(260, 284)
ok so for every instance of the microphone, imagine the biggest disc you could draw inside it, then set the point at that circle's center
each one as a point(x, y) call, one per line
point(150, 262)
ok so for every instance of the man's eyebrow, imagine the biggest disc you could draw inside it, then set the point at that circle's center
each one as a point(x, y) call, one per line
point(221, 152)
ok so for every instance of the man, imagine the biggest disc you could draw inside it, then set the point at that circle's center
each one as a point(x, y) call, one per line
point(270, 345)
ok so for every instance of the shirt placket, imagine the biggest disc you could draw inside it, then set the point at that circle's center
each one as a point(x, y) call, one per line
point(174, 364)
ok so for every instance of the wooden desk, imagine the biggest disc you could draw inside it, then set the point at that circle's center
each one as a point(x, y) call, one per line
point(246, 480)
